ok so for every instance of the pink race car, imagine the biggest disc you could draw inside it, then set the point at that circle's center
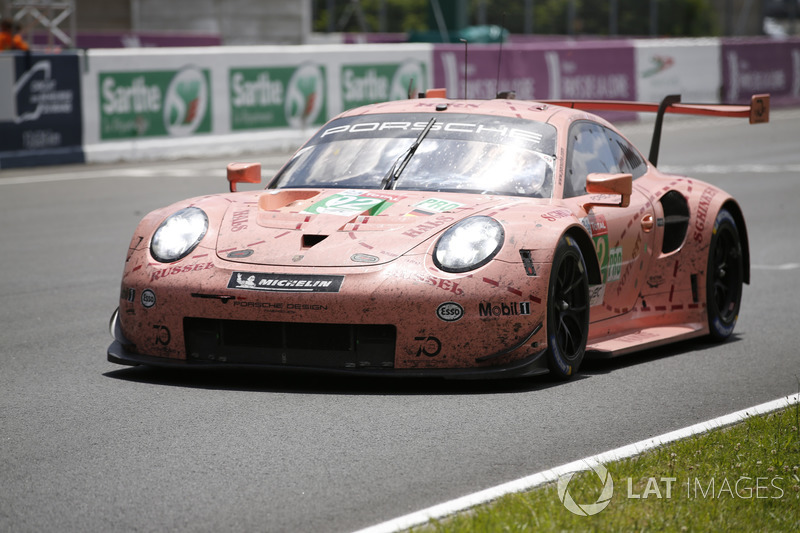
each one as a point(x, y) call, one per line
point(455, 238)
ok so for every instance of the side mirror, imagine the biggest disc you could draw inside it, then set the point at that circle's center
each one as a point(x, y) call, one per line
point(609, 184)
point(243, 173)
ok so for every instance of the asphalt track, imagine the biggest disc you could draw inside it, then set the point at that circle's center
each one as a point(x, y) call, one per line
point(90, 446)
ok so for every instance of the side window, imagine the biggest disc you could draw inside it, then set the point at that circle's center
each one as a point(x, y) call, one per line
point(589, 151)
point(629, 158)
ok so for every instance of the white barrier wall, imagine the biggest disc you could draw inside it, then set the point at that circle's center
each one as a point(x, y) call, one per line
point(178, 102)
point(181, 102)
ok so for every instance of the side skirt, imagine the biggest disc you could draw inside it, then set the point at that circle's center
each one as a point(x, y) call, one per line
point(640, 339)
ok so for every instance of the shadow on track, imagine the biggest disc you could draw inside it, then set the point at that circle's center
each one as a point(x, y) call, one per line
point(309, 382)
point(597, 365)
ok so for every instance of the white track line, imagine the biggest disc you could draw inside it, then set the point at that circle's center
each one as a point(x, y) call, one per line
point(470, 500)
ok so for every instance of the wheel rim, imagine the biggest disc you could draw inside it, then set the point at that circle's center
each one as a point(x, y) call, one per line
point(570, 307)
point(726, 272)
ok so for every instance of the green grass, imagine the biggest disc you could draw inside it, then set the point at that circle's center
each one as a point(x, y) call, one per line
point(761, 454)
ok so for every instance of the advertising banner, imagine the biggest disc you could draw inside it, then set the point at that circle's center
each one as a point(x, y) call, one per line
point(538, 72)
point(761, 67)
point(154, 103)
point(370, 83)
point(277, 97)
point(44, 126)
point(688, 67)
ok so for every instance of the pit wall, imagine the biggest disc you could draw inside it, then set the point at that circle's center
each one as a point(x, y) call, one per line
point(110, 105)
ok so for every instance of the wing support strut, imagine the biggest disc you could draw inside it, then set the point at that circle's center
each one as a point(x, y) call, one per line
point(757, 111)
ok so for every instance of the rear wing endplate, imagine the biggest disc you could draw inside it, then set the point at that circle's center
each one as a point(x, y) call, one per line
point(757, 112)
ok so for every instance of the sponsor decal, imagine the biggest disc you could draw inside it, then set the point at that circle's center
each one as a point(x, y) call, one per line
point(239, 221)
point(256, 281)
point(279, 306)
point(148, 298)
point(364, 258)
point(432, 206)
point(610, 259)
point(449, 311)
point(429, 346)
point(495, 133)
point(596, 295)
point(702, 213)
point(513, 309)
point(439, 283)
point(154, 103)
point(421, 229)
point(163, 336)
point(614, 264)
point(172, 271)
point(655, 281)
point(624, 278)
point(129, 295)
point(552, 216)
point(276, 97)
point(349, 203)
point(240, 254)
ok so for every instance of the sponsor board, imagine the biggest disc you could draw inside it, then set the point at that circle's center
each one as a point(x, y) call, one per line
point(41, 117)
point(368, 84)
point(158, 103)
point(277, 97)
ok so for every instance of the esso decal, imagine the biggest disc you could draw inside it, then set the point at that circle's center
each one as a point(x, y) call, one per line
point(449, 311)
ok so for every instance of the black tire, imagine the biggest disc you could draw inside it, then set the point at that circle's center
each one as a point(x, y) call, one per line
point(724, 277)
point(567, 310)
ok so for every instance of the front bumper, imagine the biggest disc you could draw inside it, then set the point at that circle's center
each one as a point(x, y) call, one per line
point(121, 352)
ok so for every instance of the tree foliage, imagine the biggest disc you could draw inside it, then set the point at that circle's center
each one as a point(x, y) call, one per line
point(676, 18)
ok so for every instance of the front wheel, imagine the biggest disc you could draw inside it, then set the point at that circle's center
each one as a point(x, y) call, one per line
point(724, 277)
point(567, 310)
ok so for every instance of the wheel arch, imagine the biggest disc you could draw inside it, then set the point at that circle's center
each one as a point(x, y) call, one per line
point(589, 253)
point(736, 212)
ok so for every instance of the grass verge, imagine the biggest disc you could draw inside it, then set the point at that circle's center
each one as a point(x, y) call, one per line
point(744, 477)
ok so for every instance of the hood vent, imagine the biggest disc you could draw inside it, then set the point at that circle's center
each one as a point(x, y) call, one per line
point(312, 240)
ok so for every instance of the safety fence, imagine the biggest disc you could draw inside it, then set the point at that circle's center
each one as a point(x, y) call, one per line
point(107, 105)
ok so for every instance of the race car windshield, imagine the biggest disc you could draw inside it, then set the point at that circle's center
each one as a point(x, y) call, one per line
point(461, 153)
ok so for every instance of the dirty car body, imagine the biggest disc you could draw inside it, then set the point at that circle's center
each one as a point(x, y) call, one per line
point(438, 237)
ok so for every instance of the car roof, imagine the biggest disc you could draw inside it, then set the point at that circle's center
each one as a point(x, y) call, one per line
point(524, 109)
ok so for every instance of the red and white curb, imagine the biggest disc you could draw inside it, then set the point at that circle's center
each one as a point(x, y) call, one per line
point(470, 500)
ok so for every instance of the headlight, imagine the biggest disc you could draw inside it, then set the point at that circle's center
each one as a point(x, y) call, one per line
point(469, 244)
point(178, 235)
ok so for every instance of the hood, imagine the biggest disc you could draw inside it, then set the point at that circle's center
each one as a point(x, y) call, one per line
point(336, 227)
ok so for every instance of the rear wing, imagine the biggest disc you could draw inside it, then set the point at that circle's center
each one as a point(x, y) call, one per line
point(757, 111)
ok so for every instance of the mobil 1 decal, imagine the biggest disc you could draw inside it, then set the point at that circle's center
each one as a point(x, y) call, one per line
point(610, 259)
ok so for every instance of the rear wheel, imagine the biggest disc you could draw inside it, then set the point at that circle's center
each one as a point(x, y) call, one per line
point(567, 310)
point(724, 277)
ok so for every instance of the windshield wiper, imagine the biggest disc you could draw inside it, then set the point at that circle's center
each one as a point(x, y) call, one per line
point(400, 163)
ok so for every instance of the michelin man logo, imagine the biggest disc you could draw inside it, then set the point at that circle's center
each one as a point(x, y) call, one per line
point(587, 509)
